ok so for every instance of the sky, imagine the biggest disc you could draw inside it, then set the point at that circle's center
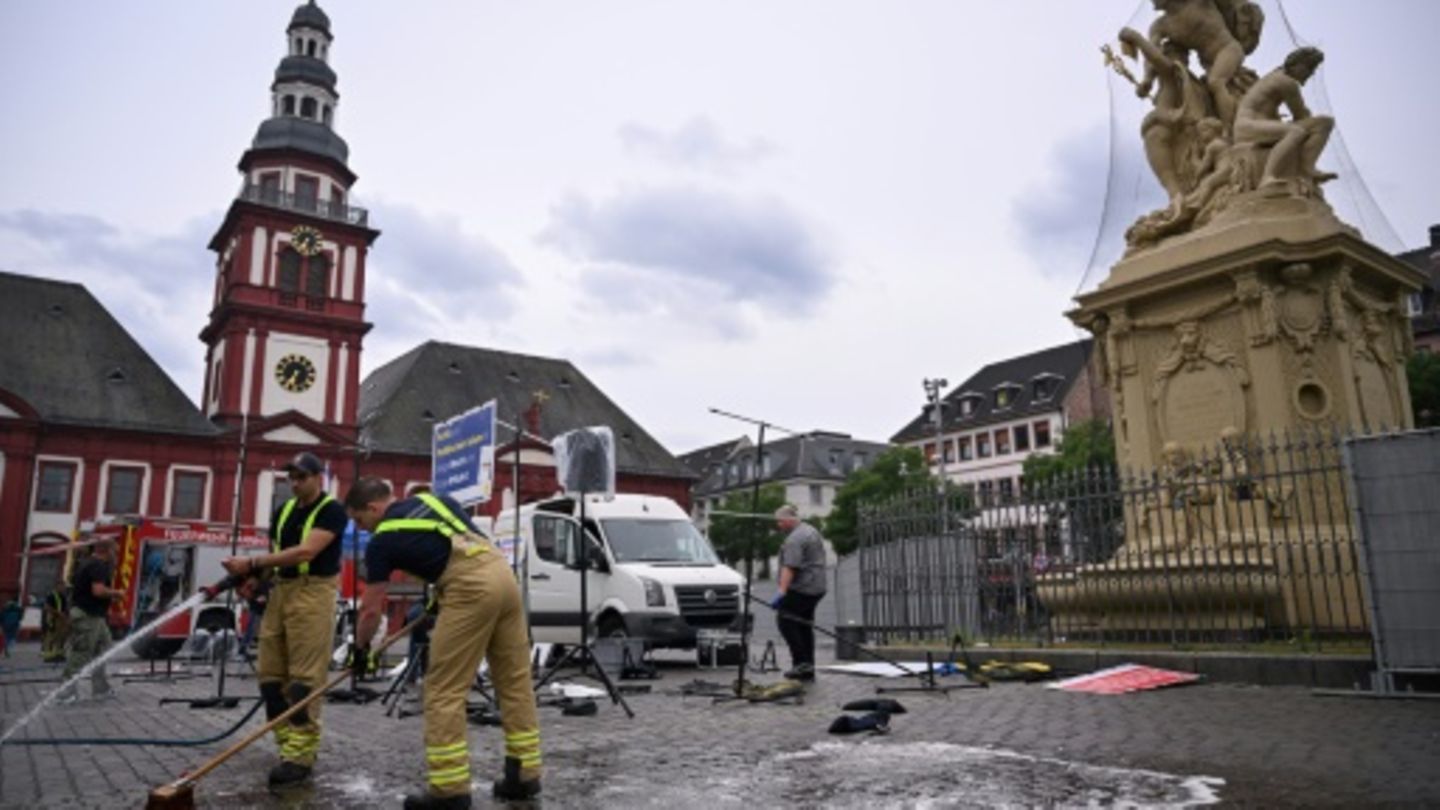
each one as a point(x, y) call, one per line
point(795, 210)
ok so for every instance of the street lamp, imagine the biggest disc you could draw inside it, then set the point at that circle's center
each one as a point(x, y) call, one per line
point(933, 389)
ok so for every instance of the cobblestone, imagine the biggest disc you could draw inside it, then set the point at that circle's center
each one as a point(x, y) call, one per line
point(1009, 744)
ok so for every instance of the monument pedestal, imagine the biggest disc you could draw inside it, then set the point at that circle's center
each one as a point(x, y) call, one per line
point(1272, 324)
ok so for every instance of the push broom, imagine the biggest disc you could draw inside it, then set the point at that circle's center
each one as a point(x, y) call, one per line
point(181, 792)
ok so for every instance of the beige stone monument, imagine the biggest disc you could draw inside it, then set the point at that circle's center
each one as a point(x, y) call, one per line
point(1243, 308)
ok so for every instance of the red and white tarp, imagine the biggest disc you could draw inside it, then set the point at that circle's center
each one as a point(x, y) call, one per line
point(1124, 679)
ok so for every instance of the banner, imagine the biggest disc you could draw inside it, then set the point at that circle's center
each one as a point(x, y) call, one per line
point(462, 455)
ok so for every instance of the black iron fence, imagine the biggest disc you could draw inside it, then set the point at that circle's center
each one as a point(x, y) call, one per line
point(1247, 542)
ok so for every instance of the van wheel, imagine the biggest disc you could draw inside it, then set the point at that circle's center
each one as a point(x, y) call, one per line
point(613, 626)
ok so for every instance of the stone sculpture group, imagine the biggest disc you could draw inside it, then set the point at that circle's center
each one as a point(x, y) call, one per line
point(1214, 138)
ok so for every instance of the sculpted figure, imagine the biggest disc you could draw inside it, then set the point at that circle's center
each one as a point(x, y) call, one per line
point(1216, 167)
point(1212, 29)
point(1180, 102)
point(1295, 144)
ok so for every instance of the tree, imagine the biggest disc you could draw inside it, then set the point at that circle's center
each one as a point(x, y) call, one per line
point(897, 470)
point(1084, 445)
point(731, 534)
point(1424, 372)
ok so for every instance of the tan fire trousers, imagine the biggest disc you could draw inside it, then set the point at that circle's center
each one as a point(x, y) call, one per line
point(295, 639)
point(481, 616)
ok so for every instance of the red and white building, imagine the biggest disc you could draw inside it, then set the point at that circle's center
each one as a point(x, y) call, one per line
point(91, 427)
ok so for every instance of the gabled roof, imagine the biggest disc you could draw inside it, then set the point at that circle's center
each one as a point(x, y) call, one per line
point(64, 354)
point(817, 455)
point(1063, 363)
point(401, 401)
point(702, 461)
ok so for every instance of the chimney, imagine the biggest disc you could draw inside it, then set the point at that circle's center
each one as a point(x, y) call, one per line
point(1435, 236)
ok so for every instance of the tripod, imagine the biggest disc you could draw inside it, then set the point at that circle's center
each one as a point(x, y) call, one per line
point(584, 654)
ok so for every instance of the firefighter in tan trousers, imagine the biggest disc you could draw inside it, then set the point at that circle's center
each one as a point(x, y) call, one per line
point(298, 630)
point(481, 617)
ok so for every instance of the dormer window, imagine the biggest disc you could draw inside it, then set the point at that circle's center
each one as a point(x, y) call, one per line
point(1003, 397)
point(1044, 387)
point(969, 404)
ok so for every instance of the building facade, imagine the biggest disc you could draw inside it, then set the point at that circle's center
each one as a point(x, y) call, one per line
point(1425, 305)
point(810, 468)
point(92, 428)
point(1003, 414)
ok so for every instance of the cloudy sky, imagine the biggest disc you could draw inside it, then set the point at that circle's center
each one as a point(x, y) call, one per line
point(796, 209)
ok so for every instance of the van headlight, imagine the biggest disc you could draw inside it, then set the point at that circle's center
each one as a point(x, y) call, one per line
point(654, 592)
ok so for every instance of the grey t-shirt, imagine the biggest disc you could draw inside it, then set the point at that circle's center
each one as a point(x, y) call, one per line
point(804, 550)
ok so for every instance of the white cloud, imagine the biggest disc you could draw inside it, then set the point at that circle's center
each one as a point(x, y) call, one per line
point(697, 144)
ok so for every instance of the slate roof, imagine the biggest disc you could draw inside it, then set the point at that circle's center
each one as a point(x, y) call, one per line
point(401, 401)
point(63, 353)
point(289, 132)
point(309, 15)
point(1063, 362)
point(818, 455)
point(702, 461)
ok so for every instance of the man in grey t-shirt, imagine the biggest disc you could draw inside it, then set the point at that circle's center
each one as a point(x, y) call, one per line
point(802, 586)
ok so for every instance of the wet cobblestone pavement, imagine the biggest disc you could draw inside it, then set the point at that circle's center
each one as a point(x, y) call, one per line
point(1012, 744)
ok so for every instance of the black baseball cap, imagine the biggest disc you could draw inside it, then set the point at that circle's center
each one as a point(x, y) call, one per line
point(307, 463)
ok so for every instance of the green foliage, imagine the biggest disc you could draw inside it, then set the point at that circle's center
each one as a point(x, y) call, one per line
point(893, 472)
point(1083, 445)
point(1424, 373)
point(730, 534)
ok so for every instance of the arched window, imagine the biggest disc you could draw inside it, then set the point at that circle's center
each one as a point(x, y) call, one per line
point(307, 108)
point(317, 276)
point(326, 115)
point(288, 278)
point(298, 48)
point(310, 48)
point(289, 105)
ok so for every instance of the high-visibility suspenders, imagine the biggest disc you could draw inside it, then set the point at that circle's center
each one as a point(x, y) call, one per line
point(285, 511)
point(444, 523)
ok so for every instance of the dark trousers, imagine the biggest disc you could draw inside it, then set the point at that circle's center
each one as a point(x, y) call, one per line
point(799, 636)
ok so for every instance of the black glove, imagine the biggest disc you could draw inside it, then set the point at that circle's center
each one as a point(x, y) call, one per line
point(362, 662)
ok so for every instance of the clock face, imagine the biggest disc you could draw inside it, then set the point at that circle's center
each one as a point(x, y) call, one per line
point(306, 240)
point(295, 373)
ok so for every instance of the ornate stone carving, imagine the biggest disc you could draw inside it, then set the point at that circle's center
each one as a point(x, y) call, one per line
point(1301, 307)
point(1199, 388)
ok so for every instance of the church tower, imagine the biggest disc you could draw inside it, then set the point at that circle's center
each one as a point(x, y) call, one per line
point(289, 306)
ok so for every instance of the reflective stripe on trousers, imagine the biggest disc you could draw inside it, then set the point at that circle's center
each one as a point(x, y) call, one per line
point(481, 617)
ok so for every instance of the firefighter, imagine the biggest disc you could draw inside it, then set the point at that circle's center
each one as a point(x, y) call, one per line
point(481, 616)
point(299, 623)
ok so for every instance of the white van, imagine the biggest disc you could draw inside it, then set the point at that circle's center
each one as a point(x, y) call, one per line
point(652, 575)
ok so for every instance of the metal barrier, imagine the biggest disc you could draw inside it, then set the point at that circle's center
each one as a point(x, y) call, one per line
point(1247, 542)
point(1397, 509)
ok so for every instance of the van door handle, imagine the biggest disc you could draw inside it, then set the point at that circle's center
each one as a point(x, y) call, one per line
point(539, 576)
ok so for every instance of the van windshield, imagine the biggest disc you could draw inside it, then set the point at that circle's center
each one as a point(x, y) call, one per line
point(675, 541)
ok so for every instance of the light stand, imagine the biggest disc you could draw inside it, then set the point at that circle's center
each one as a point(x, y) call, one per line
point(220, 700)
point(745, 621)
point(580, 459)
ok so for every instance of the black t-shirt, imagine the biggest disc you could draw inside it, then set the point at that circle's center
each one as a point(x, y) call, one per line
point(90, 572)
point(332, 518)
point(421, 553)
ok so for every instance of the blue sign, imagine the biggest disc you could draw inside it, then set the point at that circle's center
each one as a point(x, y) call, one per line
point(462, 455)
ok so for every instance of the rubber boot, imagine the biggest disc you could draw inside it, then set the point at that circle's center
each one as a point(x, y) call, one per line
point(429, 801)
point(512, 787)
